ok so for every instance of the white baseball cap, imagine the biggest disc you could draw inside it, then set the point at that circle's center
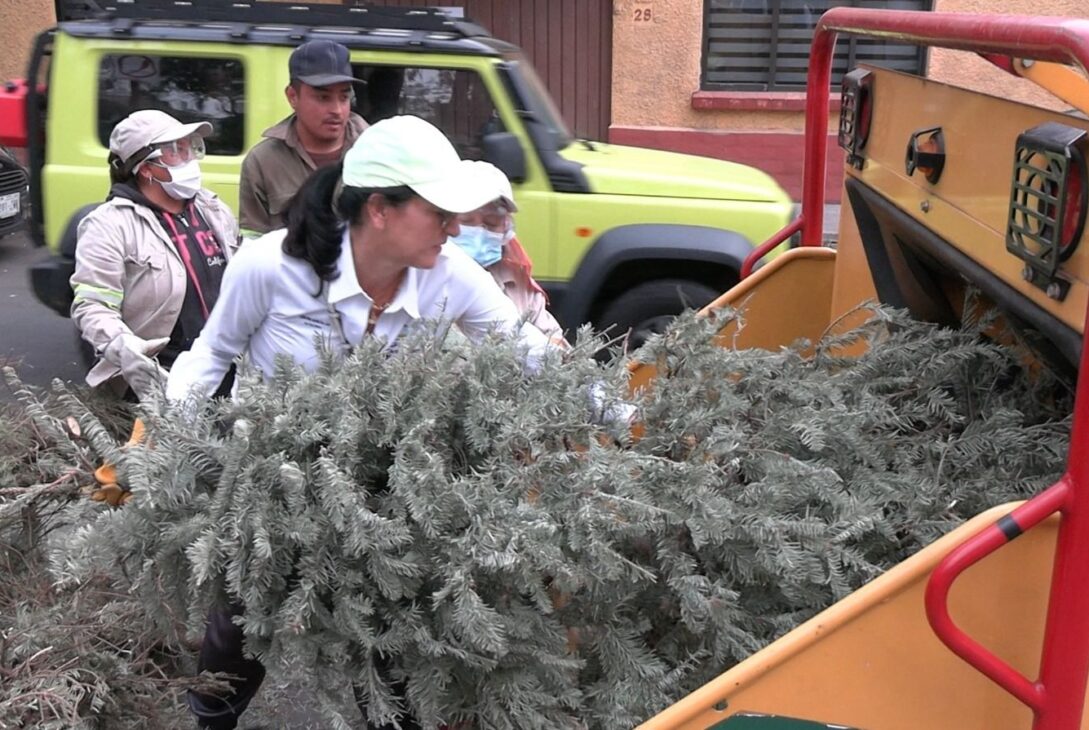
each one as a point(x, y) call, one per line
point(141, 129)
point(494, 178)
point(408, 151)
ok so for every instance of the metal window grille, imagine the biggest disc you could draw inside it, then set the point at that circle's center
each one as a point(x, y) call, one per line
point(763, 45)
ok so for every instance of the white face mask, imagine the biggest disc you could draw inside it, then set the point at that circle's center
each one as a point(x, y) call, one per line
point(184, 180)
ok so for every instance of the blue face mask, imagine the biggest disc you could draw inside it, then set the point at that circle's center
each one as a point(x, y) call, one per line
point(486, 247)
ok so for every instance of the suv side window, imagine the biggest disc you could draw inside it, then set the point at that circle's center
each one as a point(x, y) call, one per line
point(189, 89)
point(454, 100)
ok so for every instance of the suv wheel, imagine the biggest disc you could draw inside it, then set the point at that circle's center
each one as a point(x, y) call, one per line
point(649, 307)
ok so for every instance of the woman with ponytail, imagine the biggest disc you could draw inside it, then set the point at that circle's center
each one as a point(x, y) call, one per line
point(363, 254)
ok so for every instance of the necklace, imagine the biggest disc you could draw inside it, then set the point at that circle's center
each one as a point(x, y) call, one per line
point(375, 313)
point(377, 309)
point(386, 295)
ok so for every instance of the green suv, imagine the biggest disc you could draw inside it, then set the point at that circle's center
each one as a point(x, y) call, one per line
point(620, 237)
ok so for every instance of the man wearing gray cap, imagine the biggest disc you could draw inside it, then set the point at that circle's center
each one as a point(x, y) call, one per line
point(319, 131)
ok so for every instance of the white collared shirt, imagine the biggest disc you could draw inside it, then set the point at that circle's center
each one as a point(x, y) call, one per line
point(271, 304)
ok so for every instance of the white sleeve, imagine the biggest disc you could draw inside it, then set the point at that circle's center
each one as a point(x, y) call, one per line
point(244, 299)
point(485, 307)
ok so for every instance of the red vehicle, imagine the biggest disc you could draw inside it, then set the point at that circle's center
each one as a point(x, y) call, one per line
point(14, 181)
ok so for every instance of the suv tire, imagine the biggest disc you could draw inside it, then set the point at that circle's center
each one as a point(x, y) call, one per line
point(649, 307)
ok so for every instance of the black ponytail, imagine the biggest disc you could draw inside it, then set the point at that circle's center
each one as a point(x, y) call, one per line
point(314, 230)
point(119, 171)
point(315, 221)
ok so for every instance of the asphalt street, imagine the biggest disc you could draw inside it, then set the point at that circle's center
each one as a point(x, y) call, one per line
point(38, 342)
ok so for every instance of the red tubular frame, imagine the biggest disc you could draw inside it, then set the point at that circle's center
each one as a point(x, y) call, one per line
point(760, 251)
point(1057, 697)
point(965, 556)
point(1062, 40)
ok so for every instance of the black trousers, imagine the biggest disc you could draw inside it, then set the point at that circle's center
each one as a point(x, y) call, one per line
point(222, 652)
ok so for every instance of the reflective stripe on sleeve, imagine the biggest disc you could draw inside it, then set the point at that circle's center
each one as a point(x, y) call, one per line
point(112, 298)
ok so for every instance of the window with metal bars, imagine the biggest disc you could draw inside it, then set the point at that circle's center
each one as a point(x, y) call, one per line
point(763, 45)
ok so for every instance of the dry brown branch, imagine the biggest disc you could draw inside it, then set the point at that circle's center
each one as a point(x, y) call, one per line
point(60, 485)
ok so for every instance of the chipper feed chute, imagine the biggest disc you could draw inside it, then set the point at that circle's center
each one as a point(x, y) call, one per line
point(945, 189)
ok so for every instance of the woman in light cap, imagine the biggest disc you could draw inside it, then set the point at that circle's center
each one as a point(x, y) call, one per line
point(150, 260)
point(487, 235)
point(362, 254)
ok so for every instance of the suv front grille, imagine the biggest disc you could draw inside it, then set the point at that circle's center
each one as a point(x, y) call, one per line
point(12, 180)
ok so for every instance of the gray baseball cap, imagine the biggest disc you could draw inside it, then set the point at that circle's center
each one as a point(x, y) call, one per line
point(321, 63)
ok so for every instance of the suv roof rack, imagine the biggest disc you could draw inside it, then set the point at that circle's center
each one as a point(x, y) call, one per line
point(358, 15)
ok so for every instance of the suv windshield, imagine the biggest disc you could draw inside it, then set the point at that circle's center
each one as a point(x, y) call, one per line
point(539, 102)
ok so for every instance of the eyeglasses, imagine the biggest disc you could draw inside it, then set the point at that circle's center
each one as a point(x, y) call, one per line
point(178, 152)
point(494, 217)
point(496, 222)
point(397, 199)
point(445, 217)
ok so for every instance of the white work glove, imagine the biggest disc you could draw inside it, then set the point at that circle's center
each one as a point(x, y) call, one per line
point(132, 355)
point(610, 411)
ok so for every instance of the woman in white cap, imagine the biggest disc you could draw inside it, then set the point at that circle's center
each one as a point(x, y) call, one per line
point(363, 254)
point(487, 235)
point(149, 261)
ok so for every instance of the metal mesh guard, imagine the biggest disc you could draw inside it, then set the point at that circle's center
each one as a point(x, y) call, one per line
point(1038, 181)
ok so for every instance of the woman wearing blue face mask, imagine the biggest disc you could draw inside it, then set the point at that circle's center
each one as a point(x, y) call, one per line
point(487, 234)
point(149, 260)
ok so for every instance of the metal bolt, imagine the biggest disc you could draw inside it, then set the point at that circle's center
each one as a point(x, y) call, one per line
point(925, 206)
point(1054, 290)
point(1026, 273)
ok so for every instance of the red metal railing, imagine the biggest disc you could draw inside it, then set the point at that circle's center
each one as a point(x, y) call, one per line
point(760, 251)
point(1057, 697)
point(965, 556)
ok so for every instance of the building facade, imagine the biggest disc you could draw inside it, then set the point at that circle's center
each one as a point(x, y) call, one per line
point(692, 75)
point(21, 21)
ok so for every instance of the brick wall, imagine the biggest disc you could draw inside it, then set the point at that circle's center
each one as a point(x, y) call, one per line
point(21, 20)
